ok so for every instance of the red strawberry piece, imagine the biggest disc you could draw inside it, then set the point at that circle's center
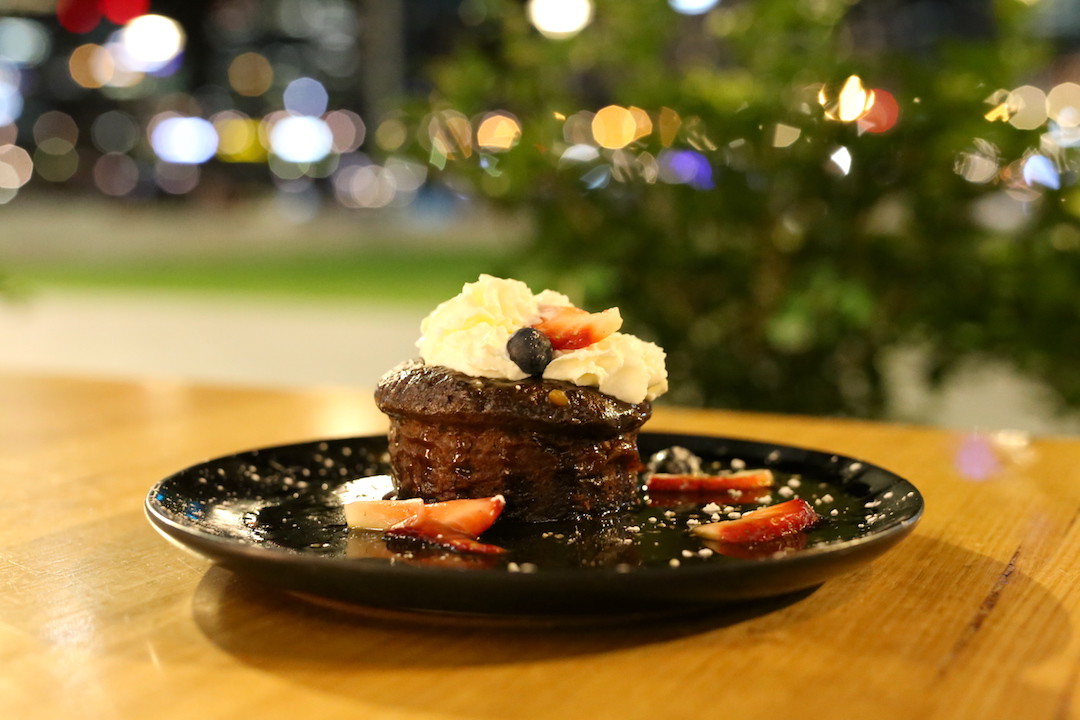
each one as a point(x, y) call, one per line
point(571, 328)
point(763, 524)
point(741, 480)
point(470, 516)
point(424, 529)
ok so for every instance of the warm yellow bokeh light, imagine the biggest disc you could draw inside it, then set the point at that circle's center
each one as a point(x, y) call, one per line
point(250, 74)
point(16, 167)
point(785, 135)
point(1027, 105)
point(1063, 104)
point(851, 103)
point(86, 66)
point(498, 131)
point(447, 134)
point(613, 127)
point(643, 124)
point(670, 122)
point(238, 139)
point(391, 134)
point(560, 19)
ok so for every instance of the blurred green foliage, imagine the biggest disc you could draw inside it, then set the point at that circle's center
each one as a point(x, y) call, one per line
point(781, 286)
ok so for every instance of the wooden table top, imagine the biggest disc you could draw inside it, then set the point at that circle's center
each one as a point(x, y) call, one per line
point(974, 615)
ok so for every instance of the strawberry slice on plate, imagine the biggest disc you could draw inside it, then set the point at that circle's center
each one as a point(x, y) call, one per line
point(763, 524)
point(571, 328)
point(470, 516)
point(697, 482)
point(425, 529)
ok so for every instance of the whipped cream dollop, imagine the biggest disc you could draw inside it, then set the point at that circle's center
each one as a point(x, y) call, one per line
point(469, 332)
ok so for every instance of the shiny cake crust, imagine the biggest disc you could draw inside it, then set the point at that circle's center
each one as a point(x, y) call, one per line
point(455, 436)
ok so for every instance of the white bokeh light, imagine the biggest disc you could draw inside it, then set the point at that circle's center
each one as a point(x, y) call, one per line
point(560, 19)
point(693, 7)
point(301, 139)
point(184, 140)
point(150, 42)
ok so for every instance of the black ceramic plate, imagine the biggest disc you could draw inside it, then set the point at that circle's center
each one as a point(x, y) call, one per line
point(276, 513)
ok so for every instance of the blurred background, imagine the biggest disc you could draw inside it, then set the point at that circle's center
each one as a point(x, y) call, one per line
point(831, 207)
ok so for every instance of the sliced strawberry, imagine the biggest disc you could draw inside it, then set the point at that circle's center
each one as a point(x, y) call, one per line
point(571, 328)
point(763, 524)
point(425, 529)
point(470, 516)
point(740, 480)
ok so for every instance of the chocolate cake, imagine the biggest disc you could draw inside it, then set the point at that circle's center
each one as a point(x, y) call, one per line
point(553, 449)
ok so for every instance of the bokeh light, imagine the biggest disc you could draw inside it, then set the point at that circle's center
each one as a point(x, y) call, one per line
point(687, 167)
point(560, 19)
point(366, 186)
point(238, 138)
point(250, 74)
point(301, 139)
point(840, 161)
point(1063, 104)
point(23, 41)
point(183, 140)
point(116, 174)
point(1040, 170)
point(1027, 104)
point(852, 102)
point(785, 135)
point(580, 153)
point(498, 131)
point(883, 114)
point(979, 166)
point(305, 96)
point(447, 134)
point(391, 134)
point(121, 12)
point(693, 7)
point(16, 167)
point(669, 122)
point(84, 65)
point(577, 128)
point(347, 128)
point(55, 160)
point(176, 178)
point(11, 99)
point(114, 131)
point(614, 127)
point(150, 42)
point(55, 125)
point(77, 16)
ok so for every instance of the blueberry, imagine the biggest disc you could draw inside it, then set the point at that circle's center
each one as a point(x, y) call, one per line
point(530, 350)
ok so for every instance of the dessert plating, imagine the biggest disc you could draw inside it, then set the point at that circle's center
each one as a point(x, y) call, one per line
point(524, 396)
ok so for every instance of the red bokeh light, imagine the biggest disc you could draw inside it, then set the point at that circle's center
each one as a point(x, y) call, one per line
point(122, 12)
point(883, 115)
point(78, 16)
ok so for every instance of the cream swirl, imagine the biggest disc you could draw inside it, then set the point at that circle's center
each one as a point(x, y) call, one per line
point(469, 332)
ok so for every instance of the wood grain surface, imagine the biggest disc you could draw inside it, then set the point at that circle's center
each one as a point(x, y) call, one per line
point(975, 615)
